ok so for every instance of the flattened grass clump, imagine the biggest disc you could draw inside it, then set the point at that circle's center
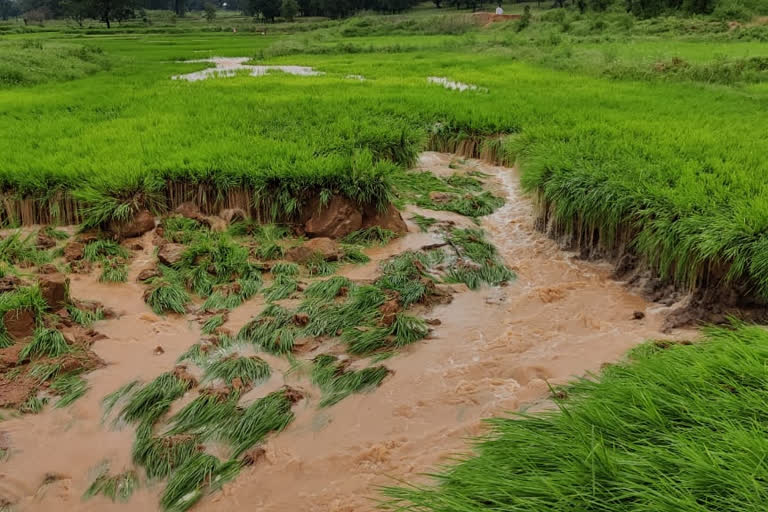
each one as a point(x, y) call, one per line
point(205, 415)
point(198, 473)
point(373, 235)
point(160, 455)
point(336, 382)
point(423, 222)
point(249, 370)
point(269, 414)
point(154, 399)
point(687, 415)
point(213, 323)
point(273, 330)
point(45, 343)
point(84, 317)
point(166, 295)
point(329, 289)
point(113, 270)
point(19, 249)
point(182, 230)
point(100, 249)
point(70, 386)
point(117, 487)
point(282, 287)
point(211, 261)
point(478, 262)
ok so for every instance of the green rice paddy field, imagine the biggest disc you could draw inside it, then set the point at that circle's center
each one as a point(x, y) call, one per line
point(648, 137)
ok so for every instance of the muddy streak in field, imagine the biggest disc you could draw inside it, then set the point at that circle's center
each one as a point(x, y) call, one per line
point(493, 352)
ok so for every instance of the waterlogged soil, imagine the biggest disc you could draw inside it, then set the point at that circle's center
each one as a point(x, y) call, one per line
point(230, 66)
point(495, 350)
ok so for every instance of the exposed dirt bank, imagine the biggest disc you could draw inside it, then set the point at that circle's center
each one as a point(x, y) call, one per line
point(493, 351)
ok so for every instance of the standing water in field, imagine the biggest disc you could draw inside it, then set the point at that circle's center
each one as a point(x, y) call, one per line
point(492, 351)
point(230, 66)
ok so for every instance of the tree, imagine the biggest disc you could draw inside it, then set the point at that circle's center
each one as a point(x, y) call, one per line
point(78, 10)
point(269, 9)
point(110, 10)
point(438, 3)
point(210, 11)
point(289, 9)
point(179, 7)
point(8, 8)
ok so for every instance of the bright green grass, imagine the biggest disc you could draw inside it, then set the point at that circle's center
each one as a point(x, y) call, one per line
point(673, 169)
point(678, 429)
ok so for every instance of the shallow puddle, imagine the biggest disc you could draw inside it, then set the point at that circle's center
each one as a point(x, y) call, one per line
point(494, 351)
point(230, 66)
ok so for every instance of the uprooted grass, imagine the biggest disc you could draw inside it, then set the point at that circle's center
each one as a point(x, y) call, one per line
point(271, 413)
point(273, 330)
point(70, 386)
point(249, 370)
point(150, 402)
point(336, 382)
point(676, 427)
point(477, 260)
point(373, 235)
point(160, 455)
point(199, 473)
point(45, 342)
point(20, 249)
point(405, 329)
point(166, 295)
point(205, 415)
point(84, 317)
point(117, 487)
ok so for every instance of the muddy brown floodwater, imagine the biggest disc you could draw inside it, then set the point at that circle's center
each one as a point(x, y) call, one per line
point(494, 352)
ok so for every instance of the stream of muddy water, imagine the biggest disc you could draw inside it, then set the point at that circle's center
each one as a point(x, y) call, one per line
point(495, 351)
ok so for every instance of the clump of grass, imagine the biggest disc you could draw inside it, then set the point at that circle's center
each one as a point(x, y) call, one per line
point(282, 287)
point(373, 235)
point(329, 289)
point(679, 411)
point(33, 405)
point(162, 454)
point(45, 342)
point(182, 230)
point(337, 383)
point(26, 298)
point(165, 295)
point(353, 254)
point(423, 222)
point(70, 386)
point(272, 330)
point(19, 249)
point(282, 268)
point(478, 262)
point(54, 233)
point(84, 317)
point(189, 481)
point(464, 182)
point(404, 330)
point(150, 402)
point(44, 371)
point(407, 274)
point(229, 297)
point(205, 415)
point(213, 323)
point(117, 487)
point(101, 249)
point(113, 270)
point(111, 400)
point(318, 266)
point(248, 369)
point(271, 413)
point(211, 261)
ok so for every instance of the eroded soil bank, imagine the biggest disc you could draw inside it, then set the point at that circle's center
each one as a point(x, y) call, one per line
point(494, 351)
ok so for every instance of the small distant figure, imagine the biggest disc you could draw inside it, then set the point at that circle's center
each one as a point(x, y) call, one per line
point(499, 10)
point(234, 30)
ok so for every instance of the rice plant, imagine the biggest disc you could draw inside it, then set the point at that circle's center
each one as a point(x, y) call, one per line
point(213, 323)
point(373, 235)
point(70, 387)
point(154, 399)
point(160, 455)
point(329, 289)
point(282, 287)
point(44, 371)
point(408, 329)
point(337, 383)
point(84, 317)
point(249, 370)
point(54, 233)
point(45, 343)
point(318, 267)
point(117, 487)
point(33, 405)
point(229, 297)
point(273, 330)
point(271, 413)
point(165, 296)
point(119, 395)
point(353, 254)
point(678, 411)
point(181, 230)
point(20, 249)
point(282, 268)
point(205, 415)
point(198, 473)
point(113, 270)
point(101, 249)
point(423, 222)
